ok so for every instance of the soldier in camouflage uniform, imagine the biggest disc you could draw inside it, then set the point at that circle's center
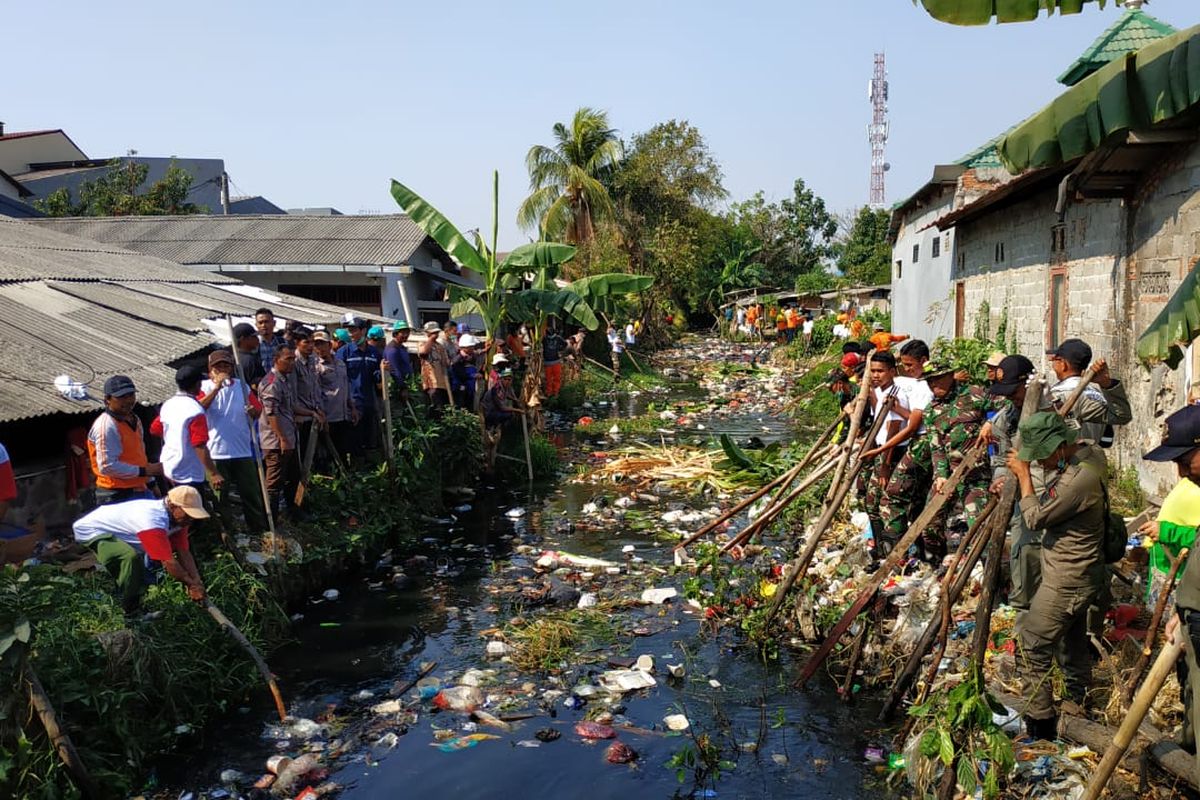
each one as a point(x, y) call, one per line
point(954, 419)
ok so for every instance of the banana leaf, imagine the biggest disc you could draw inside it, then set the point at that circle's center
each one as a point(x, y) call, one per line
point(736, 456)
point(1175, 326)
point(440, 229)
point(527, 305)
point(610, 283)
point(981, 12)
point(537, 255)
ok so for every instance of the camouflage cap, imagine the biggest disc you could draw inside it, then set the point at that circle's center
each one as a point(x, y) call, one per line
point(936, 368)
point(1042, 434)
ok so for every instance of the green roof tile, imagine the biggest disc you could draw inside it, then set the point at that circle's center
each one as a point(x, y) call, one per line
point(1133, 30)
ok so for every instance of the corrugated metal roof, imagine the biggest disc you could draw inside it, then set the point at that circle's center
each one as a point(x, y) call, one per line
point(72, 307)
point(375, 240)
point(31, 253)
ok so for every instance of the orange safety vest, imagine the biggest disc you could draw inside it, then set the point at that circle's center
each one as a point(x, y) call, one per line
point(111, 440)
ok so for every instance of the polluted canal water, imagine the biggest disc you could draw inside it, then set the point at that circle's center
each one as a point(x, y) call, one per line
point(563, 659)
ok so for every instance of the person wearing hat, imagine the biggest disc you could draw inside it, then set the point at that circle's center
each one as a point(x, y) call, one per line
point(245, 347)
point(117, 446)
point(882, 339)
point(268, 339)
point(121, 533)
point(992, 365)
point(1071, 511)
point(464, 367)
point(1181, 445)
point(1103, 403)
point(435, 364)
point(336, 401)
point(499, 404)
point(843, 385)
point(277, 431)
point(954, 419)
point(341, 338)
point(397, 356)
point(1025, 546)
point(362, 362)
point(183, 426)
point(230, 408)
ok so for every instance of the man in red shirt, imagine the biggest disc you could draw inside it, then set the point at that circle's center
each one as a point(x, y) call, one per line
point(8, 483)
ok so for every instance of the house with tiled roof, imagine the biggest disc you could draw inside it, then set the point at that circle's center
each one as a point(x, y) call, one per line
point(1092, 220)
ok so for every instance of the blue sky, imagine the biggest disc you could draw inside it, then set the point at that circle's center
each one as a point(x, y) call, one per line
point(316, 104)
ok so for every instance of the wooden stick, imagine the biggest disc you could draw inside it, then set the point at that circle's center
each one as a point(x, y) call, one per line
point(389, 446)
point(254, 444)
point(1135, 677)
point(601, 366)
point(528, 458)
point(860, 404)
point(241, 639)
point(310, 450)
point(799, 564)
point(950, 597)
point(769, 515)
point(899, 553)
point(860, 641)
point(58, 737)
point(788, 476)
point(825, 436)
point(430, 667)
point(1164, 665)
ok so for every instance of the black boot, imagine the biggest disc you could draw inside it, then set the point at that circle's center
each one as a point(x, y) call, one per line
point(1046, 729)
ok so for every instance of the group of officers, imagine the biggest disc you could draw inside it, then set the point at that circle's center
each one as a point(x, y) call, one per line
point(933, 416)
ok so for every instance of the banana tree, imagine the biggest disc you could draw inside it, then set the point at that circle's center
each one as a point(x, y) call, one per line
point(981, 12)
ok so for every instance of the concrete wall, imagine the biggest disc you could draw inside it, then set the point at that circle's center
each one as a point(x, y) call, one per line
point(922, 293)
point(17, 154)
point(1163, 245)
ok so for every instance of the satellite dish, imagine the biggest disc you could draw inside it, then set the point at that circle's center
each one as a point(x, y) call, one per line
point(887, 167)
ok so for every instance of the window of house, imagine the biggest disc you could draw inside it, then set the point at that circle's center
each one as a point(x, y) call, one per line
point(1058, 239)
point(999, 254)
point(899, 269)
point(937, 247)
point(962, 261)
point(916, 253)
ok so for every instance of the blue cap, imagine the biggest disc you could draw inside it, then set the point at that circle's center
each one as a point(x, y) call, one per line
point(376, 332)
point(119, 386)
point(342, 335)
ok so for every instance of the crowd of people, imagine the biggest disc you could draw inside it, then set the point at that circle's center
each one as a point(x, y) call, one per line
point(1061, 538)
point(267, 410)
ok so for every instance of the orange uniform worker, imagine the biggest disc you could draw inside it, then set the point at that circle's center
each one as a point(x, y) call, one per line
point(883, 340)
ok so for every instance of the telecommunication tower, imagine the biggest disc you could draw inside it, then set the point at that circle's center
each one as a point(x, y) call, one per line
point(877, 131)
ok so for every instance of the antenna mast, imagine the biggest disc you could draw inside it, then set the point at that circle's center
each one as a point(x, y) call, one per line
point(877, 131)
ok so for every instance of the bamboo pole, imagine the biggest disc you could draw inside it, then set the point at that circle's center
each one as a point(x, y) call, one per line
point(1135, 677)
point(860, 404)
point(788, 476)
point(254, 444)
point(825, 436)
point(1164, 665)
point(899, 552)
point(389, 446)
point(310, 451)
point(950, 596)
point(769, 515)
point(58, 737)
point(241, 639)
point(860, 641)
point(799, 564)
point(528, 457)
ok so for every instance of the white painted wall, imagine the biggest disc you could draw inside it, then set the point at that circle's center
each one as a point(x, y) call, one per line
point(922, 293)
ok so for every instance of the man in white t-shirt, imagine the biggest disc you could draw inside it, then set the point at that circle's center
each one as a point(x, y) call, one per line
point(908, 489)
point(618, 347)
point(120, 533)
point(881, 459)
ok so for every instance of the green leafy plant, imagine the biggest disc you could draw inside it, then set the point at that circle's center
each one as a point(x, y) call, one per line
point(957, 729)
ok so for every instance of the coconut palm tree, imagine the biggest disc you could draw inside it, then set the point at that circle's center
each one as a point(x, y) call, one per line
point(568, 195)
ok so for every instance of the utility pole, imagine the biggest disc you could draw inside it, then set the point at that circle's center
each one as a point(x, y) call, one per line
point(877, 131)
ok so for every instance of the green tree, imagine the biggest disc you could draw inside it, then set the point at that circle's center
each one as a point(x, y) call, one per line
point(865, 256)
point(567, 180)
point(796, 234)
point(122, 192)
